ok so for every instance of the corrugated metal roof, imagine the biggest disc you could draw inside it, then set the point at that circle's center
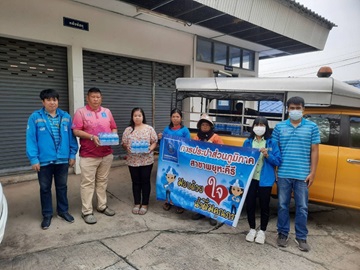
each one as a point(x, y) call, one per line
point(284, 26)
point(308, 12)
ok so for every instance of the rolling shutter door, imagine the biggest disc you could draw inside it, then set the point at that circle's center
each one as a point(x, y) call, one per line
point(125, 83)
point(165, 76)
point(26, 68)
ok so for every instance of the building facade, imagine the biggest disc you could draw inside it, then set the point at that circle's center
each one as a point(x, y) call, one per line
point(133, 53)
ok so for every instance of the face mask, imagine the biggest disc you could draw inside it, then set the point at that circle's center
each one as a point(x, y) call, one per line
point(259, 130)
point(295, 115)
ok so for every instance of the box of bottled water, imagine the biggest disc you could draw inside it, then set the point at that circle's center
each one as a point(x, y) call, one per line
point(108, 138)
point(140, 147)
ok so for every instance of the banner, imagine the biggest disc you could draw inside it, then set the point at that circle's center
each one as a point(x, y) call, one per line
point(210, 179)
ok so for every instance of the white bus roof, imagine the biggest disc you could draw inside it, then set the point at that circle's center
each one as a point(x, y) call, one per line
point(315, 91)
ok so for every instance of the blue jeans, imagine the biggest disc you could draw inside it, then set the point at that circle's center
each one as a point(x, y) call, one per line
point(285, 186)
point(45, 176)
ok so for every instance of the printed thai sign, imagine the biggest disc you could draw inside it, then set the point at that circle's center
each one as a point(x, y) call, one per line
point(206, 178)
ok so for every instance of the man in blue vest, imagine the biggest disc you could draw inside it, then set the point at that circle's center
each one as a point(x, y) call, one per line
point(51, 148)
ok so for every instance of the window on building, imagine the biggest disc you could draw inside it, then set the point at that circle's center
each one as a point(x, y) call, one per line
point(248, 59)
point(234, 56)
point(220, 53)
point(204, 51)
point(224, 54)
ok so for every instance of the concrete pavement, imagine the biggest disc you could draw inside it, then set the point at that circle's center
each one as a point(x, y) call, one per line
point(163, 240)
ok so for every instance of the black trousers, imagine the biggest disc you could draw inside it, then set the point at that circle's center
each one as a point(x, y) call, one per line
point(141, 186)
point(264, 199)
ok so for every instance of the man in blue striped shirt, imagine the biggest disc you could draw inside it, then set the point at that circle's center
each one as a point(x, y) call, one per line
point(51, 147)
point(299, 140)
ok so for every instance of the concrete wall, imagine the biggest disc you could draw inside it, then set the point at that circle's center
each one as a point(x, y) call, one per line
point(109, 32)
point(42, 21)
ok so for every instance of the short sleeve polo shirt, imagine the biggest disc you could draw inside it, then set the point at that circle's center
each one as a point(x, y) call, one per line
point(93, 122)
point(295, 146)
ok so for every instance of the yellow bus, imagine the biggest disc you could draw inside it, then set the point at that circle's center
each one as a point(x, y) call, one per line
point(233, 103)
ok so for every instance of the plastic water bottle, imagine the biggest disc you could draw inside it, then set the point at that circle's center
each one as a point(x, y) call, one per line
point(141, 146)
point(144, 146)
point(101, 138)
point(115, 138)
point(136, 147)
point(110, 139)
point(147, 145)
point(106, 138)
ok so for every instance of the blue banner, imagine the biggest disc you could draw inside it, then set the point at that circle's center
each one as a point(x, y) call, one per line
point(210, 179)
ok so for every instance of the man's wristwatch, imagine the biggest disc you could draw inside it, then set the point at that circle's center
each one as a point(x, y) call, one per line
point(92, 138)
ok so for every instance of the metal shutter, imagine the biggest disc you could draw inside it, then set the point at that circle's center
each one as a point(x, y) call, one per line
point(165, 76)
point(26, 68)
point(124, 82)
point(127, 83)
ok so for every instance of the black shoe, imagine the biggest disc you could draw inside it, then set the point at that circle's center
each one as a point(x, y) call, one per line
point(66, 216)
point(213, 222)
point(45, 224)
point(197, 216)
point(282, 240)
point(303, 246)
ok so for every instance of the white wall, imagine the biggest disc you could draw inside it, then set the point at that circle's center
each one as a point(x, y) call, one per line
point(42, 21)
point(110, 33)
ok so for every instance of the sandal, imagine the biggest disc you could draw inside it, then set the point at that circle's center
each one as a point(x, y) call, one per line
point(89, 219)
point(135, 210)
point(107, 211)
point(143, 211)
point(167, 206)
point(179, 210)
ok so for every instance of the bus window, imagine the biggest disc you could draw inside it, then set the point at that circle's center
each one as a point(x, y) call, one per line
point(329, 127)
point(355, 132)
point(267, 106)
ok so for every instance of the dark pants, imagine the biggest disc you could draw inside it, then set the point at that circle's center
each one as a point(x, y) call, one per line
point(45, 176)
point(141, 187)
point(264, 199)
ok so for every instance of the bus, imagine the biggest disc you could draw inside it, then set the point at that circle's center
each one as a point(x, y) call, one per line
point(233, 104)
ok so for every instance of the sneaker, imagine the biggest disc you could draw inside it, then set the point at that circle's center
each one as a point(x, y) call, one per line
point(260, 237)
point(107, 211)
point(45, 224)
point(251, 235)
point(197, 216)
point(302, 245)
point(282, 240)
point(89, 219)
point(213, 222)
point(66, 216)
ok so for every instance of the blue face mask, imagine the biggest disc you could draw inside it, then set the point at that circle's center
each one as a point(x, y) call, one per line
point(295, 114)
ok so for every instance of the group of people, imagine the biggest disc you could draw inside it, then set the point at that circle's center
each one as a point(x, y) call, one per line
point(288, 156)
point(51, 147)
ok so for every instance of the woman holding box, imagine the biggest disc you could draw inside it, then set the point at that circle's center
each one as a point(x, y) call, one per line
point(140, 161)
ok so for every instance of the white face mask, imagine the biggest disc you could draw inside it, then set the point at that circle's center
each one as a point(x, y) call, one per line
point(259, 130)
point(295, 114)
